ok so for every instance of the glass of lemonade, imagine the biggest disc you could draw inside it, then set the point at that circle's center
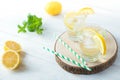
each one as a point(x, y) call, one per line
point(82, 33)
point(84, 36)
point(89, 47)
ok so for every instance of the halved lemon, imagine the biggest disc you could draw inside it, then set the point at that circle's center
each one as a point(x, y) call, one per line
point(53, 8)
point(12, 45)
point(86, 11)
point(11, 59)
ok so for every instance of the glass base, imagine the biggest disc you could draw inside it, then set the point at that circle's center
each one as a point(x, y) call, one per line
point(91, 59)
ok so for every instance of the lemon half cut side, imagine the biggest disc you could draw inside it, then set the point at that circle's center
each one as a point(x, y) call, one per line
point(12, 45)
point(11, 59)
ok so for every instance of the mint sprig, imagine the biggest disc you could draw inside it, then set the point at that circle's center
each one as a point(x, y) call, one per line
point(33, 24)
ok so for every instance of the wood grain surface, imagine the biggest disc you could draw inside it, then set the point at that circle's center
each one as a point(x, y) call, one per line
point(100, 65)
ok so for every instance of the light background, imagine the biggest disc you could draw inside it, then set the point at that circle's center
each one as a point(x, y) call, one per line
point(37, 63)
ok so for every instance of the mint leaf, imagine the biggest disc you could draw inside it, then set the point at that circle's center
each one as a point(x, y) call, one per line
point(21, 29)
point(39, 31)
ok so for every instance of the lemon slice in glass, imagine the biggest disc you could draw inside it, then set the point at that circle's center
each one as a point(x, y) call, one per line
point(99, 39)
point(11, 59)
point(86, 11)
point(70, 20)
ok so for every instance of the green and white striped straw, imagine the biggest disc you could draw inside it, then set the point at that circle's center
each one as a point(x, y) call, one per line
point(74, 53)
point(66, 58)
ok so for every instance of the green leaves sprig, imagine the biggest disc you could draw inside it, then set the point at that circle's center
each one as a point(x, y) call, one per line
point(33, 24)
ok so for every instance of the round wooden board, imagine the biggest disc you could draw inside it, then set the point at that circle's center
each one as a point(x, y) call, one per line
point(97, 66)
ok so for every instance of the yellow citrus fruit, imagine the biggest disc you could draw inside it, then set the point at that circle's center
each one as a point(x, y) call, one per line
point(86, 11)
point(12, 45)
point(101, 43)
point(11, 59)
point(70, 19)
point(53, 8)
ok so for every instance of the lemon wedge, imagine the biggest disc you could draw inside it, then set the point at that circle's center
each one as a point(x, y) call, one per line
point(11, 59)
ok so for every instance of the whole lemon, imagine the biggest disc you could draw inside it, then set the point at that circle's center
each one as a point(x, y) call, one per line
point(53, 8)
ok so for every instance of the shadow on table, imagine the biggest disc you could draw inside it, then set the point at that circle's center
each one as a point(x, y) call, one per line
point(22, 66)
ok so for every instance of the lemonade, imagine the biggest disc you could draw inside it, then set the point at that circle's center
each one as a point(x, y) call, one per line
point(90, 38)
point(89, 43)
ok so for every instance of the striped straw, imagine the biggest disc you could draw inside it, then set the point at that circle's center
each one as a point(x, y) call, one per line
point(74, 53)
point(66, 58)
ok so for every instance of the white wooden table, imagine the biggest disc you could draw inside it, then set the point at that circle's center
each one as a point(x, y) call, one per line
point(37, 63)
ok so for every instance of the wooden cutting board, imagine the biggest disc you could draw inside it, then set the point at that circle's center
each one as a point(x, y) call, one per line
point(97, 66)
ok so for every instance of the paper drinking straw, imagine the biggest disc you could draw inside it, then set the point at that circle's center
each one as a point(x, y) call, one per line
point(66, 58)
point(74, 53)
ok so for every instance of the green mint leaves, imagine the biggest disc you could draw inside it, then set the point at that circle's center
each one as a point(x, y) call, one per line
point(33, 24)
